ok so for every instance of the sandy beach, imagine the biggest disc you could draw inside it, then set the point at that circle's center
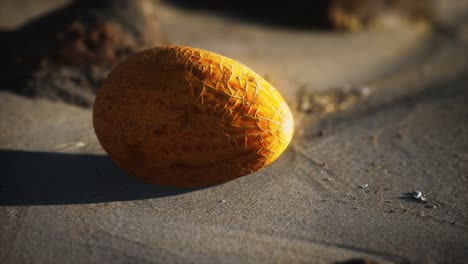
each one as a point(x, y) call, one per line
point(342, 190)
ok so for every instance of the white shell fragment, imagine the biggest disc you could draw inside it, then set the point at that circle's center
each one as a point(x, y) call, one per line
point(419, 196)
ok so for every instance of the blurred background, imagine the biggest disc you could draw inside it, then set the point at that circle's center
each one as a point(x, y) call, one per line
point(329, 43)
point(378, 89)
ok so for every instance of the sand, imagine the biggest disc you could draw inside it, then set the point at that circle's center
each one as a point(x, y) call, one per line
point(340, 191)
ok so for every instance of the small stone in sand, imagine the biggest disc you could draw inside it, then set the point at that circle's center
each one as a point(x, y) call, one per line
point(419, 196)
point(364, 187)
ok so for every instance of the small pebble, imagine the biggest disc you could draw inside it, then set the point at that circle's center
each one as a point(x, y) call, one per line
point(364, 187)
point(419, 196)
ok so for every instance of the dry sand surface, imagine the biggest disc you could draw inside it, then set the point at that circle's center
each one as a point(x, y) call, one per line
point(340, 191)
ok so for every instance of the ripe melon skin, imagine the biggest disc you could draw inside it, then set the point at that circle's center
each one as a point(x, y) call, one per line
point(185, 117)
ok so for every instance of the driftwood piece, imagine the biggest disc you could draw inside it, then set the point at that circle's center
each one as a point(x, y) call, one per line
point(65, 54)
